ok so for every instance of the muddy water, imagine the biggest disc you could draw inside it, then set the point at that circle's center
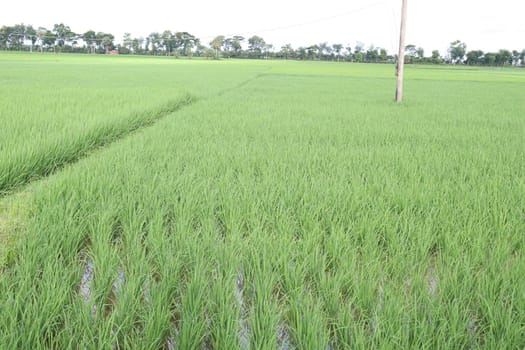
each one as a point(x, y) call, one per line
point(433, 279)
point(283, 338)
point(85, 288)
point(244, 329)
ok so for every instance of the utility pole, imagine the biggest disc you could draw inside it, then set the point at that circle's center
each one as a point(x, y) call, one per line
point(401, 55)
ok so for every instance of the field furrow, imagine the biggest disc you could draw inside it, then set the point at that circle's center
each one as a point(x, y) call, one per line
point(82, 103)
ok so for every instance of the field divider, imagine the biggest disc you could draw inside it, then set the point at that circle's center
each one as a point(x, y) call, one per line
point(42, 164)
point(244, 82)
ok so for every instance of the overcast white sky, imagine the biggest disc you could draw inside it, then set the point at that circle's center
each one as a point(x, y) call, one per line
point(431, 24)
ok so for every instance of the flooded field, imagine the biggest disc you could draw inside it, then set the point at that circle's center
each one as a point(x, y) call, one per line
point(290, 205)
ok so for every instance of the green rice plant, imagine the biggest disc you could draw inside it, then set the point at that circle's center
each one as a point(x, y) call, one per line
point(300, 209)
point(57, 109)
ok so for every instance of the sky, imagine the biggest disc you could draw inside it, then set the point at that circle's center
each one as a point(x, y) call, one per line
point(484, 25)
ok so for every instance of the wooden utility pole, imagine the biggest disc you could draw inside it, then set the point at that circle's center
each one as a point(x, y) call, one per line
point(401, 55)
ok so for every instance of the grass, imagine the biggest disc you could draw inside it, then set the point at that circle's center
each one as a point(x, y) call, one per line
point(302, 209)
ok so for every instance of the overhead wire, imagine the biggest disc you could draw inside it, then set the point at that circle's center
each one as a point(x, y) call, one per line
point(306, 23)
point(242, 33)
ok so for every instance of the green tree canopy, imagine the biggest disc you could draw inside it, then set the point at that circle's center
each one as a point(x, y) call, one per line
point(457, 50)
point(256, 45)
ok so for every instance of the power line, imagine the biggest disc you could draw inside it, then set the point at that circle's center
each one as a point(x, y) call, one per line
point(244, 33)
point(302, 24)
point(393, 32)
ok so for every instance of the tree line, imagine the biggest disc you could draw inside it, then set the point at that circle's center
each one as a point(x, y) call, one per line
point(61, 38)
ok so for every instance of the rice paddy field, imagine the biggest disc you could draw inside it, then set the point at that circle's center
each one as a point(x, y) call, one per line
point(155, 203)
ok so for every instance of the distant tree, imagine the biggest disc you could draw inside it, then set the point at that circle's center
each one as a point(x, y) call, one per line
point(337, 48)
point(199, 50)
point(474, 57)
point(209, 53)
point(301, 53)
point(420, 52)
point(411, 50)
point(231, 47)
point(216, 44)
point(503, 57)
point(227, 47)
point(105, 41)
point(489, 59)
point(155, 40)
point(256, 45)
point(168, 41)
point(348, 53)
point(268, 50)
point(312, 52)
point(49, 40)
point(515, 57)
point(136, 45)
point(236, 45)
point(127, 42)
point(372, 54)
point(61, 37)
point(12, 37)
point(187, 42)
point(90, 38)
point(30, 33)
point(457, 50)
point(64, 34)
point(324, 50)
point(19, 35)
point(436, 57)
point(287, 51)
point(4, 37)
point(383, 55)
point(147, 42)
point(40, 35)
point(410, 53)
point(359, 47)
point(15, 37)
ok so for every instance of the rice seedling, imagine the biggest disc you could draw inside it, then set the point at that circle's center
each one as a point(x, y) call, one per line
point(57, 109)
point(298, 208)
